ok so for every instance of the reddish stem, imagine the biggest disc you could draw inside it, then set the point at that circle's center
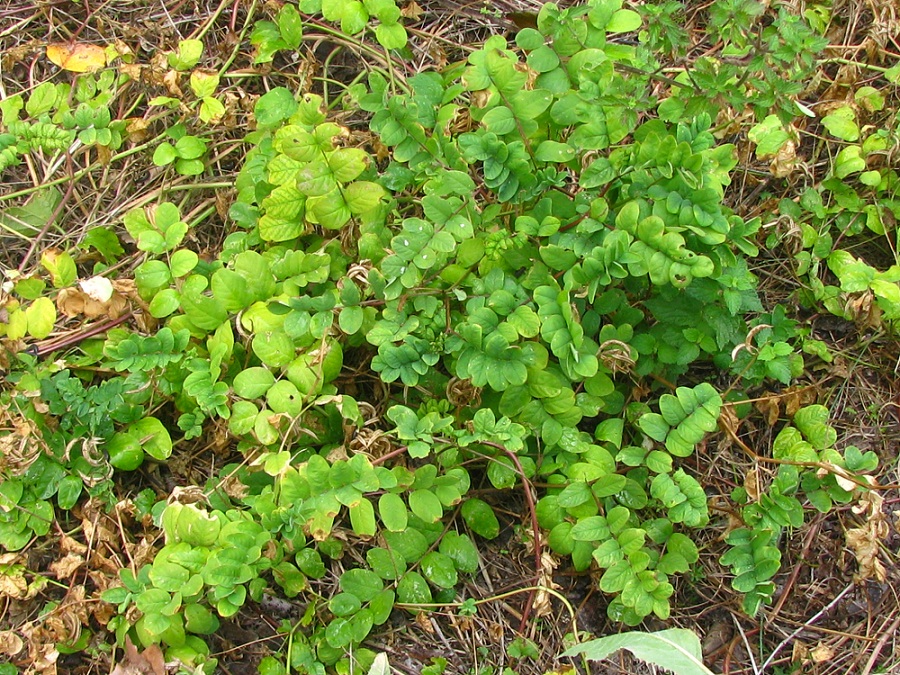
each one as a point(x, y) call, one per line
point(70, 340)
point(536, 533)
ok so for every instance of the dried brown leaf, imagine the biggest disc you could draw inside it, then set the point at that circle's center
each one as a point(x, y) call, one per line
point(43, 658)
point(424, 622)
point(69, 545)
point(770, 407)
point(10, 643)
point(412, 10)
point(190, 494)
point(865, 540)
point(865, 311)
point(785, 160)
point(797, 397)
point(134, 71)
point(148, 662)
point(719, 634)
point(13, 583)
point(102, 612)
point(799, 652)
point(542, 605)
point(138, 129)
point(66, 566)
point(170, 80)
point(821, 653)
point(74, 302)
point(751, 484)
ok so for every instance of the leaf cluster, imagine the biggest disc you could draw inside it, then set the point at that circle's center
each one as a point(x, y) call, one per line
point(516, 242)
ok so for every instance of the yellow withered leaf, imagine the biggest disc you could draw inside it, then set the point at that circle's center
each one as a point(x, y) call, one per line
point(77, 57)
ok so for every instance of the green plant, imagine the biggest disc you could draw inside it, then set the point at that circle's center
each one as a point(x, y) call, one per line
point(214, 560)
point(532, 261)
point(808, 466)
point(538, 235)
point(534, 297)
point(760, 67)
point(22, 137)
point(52, 125)
point(663, 27)
point(203, 84)
point(270, 37)
point(353, 17)
point(522, 648)
point(186, 154)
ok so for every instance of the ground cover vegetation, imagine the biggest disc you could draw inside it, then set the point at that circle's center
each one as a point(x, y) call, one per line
point(350, 335)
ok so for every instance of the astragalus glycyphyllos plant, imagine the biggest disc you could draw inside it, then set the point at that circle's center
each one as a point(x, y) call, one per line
point(504, 281)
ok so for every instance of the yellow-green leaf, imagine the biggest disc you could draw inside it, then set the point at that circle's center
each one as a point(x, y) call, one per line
point(17, 327)
point(41, 315)
point(624, 21)
point(60, 266)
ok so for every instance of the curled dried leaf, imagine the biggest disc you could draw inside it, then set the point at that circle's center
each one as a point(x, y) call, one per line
point(10, 643)
point(865, 540)
point(66, 566)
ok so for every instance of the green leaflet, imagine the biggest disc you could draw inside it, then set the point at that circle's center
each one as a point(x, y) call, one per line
point(684, 418)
